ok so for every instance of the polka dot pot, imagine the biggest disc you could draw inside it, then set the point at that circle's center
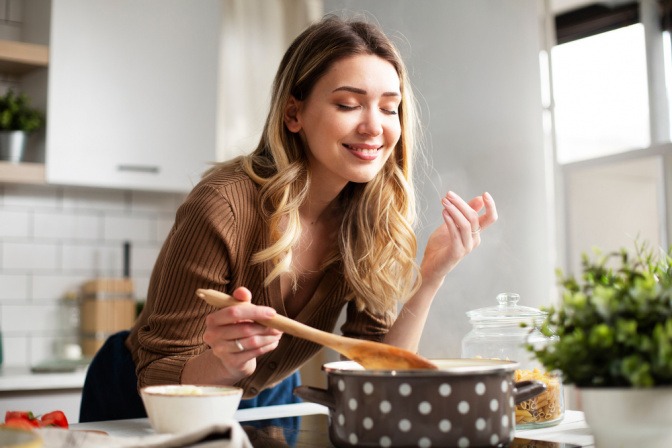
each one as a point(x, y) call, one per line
point(466, 403)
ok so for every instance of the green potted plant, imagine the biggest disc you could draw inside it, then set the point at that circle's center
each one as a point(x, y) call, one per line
point(614, 343)
point(17, 120)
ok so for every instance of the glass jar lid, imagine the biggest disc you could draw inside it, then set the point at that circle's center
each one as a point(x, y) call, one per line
point(507, 311)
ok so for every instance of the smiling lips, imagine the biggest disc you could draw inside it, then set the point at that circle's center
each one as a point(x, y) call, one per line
point(364, 152)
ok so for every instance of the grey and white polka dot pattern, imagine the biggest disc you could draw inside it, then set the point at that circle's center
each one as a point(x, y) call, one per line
point(424, 408)
point(425, 442)
point(408, 412)
point(405, 390)
point(463, 407)
point(405, 425)
point(385, 407)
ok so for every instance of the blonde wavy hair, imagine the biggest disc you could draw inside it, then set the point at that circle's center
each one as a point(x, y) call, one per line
point(376, 241)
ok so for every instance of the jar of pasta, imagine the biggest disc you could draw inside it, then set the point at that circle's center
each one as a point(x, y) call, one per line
point(497, 333)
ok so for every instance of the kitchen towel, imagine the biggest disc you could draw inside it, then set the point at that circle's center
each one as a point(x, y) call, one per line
point(225, 435)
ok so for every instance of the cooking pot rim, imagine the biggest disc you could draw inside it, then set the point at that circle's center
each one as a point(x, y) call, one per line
point(447, 367)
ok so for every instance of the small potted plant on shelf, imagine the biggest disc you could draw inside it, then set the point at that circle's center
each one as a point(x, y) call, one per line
point(17, 120)
point(614, 343)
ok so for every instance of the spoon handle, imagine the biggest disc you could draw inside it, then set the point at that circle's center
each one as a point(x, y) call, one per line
point(279, 322)
point(370, 354)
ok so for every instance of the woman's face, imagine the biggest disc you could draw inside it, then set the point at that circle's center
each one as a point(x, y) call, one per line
point(350, 120)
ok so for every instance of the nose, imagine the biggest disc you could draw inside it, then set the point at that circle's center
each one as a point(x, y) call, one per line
point(371, 123)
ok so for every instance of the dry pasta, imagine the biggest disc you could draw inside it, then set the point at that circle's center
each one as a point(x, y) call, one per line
point(544, 407)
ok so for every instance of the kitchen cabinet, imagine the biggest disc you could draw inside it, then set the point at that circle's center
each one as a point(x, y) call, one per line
point(132, 94)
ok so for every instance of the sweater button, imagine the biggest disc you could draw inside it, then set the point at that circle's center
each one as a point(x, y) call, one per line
point(272, 365)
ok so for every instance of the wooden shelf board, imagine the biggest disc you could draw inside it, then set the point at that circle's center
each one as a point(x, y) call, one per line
point(21, 57)
point(22, 173)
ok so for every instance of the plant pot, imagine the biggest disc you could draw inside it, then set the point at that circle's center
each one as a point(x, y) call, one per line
point(629, 417)
point(12, 145)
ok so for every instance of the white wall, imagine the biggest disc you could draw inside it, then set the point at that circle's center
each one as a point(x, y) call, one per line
point(475, 67)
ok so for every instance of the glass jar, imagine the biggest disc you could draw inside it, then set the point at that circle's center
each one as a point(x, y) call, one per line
point(497, 333)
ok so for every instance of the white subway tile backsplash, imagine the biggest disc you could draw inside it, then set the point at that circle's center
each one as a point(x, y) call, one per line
point(29, 256)
point(53, 239)
point(15, 350)
point(15, 223)
point(30, 319)
point(14, 287)
point(131, 228)
point(143, 259)
point(60, 225)
point(44, 348)
point(31, 196)
point(143, 201)
point(141, 284)
point(163, 227)
point(94, 260)
point(52, 287)
point(94, 199)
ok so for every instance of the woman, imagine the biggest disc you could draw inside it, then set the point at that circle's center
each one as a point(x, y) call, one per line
point(319, 217)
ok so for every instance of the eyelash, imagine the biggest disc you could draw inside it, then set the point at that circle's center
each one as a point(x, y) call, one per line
point(348, 108)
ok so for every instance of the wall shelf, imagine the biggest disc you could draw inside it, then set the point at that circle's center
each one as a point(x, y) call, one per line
point(18, 58)
point(22, 173)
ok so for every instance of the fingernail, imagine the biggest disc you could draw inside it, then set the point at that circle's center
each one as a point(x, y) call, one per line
point(445, 202)
point(270, 312)
point(487, 195)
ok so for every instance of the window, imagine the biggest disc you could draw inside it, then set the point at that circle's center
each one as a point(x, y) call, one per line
point(601, 94)
point(614, 162)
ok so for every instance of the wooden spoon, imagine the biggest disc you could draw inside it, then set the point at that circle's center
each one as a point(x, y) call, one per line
point(371, 355)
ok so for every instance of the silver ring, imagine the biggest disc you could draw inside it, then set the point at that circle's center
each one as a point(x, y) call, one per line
point(476, 232)
point(239, 345)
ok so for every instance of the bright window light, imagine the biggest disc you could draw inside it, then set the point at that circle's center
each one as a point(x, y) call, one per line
point(601, 94)
point(667, 63)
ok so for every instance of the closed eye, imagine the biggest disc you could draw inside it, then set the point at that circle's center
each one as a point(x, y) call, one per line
point(389, 111)
point(346, 107)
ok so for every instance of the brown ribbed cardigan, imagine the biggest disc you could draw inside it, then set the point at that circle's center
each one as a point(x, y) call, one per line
point(217, 230)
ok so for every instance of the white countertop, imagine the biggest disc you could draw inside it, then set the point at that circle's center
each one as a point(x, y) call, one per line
point(573, 428)
point(23, 379)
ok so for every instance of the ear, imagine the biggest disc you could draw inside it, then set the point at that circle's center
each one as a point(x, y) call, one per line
point(291, 116)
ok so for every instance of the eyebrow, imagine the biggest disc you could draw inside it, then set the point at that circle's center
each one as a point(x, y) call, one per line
point(361, 91)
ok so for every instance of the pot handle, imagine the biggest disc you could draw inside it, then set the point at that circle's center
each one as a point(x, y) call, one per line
point(316, 395)
point(524, 390)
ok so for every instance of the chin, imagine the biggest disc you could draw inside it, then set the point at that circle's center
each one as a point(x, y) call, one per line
point(362, 178)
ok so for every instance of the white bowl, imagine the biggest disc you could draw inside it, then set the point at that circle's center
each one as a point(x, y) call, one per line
point(180, 408)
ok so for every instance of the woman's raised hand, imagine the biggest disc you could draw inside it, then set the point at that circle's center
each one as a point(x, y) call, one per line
point(236, 339)
point(458, 236)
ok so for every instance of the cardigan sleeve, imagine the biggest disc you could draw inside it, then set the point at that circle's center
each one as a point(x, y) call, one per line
point(197, 254)
point(365, 324)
